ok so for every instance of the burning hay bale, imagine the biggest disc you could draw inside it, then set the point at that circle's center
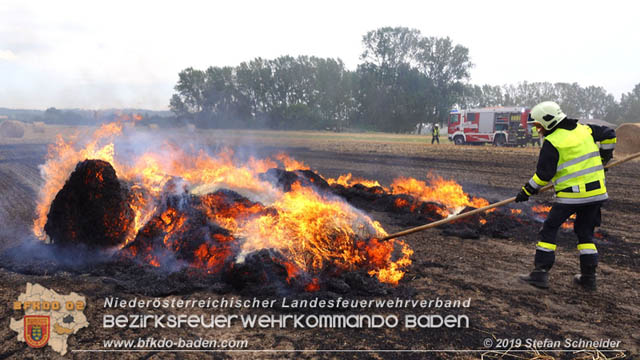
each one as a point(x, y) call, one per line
point(12, 129)
point(156, 220)
point(90, 209)
point(181, 231)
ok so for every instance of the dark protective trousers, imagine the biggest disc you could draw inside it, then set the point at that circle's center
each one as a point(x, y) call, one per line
point(587, 218)
point(435, 138)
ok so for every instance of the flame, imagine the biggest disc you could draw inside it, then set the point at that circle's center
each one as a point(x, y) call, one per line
point(542, 210)
point(380, 253)
point(313, 231)
point(447, 192)
point(516, 211)
point(313, 285)
point(348, 180)
point(289, 163)
point(400, 203)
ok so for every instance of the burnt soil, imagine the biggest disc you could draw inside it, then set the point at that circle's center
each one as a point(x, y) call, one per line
point(446, 264)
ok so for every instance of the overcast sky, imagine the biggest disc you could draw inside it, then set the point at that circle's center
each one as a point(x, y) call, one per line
point(103, 54)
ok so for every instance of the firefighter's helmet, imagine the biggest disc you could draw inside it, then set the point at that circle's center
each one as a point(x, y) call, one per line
point(548, 114)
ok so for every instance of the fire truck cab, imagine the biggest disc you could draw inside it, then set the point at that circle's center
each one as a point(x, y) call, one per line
point(501, 126)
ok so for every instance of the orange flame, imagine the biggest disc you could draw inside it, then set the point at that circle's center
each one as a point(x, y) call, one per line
point(348, 180)
point(290, 164)
point(313, 285)
point(542, 211)
point(446, 192)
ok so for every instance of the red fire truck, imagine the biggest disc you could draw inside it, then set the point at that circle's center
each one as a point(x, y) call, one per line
point(500, 126)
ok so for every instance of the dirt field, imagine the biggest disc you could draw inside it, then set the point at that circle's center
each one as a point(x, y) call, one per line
point(445, 267)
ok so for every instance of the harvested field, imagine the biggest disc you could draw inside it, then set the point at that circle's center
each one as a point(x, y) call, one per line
point(445, 265)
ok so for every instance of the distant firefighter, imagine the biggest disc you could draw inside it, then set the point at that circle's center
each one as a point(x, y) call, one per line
point(435, 134)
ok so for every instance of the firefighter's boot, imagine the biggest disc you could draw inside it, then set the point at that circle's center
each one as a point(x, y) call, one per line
point(538, 278)
point(587, 277)
point(587, 282)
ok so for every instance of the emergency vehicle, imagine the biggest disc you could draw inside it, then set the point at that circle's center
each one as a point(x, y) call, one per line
point(496, 125)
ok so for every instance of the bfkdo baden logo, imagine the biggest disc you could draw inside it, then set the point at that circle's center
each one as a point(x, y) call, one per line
point(49, 318)
point(36, 330)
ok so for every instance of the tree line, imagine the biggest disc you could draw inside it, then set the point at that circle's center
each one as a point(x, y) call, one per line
point(404, 79)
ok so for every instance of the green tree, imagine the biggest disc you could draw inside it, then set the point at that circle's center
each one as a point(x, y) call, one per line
point(189, 101)
point(630, 106)
point(390, 47)
point(446, 65)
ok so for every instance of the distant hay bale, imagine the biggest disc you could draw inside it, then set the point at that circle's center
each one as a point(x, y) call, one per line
point(39, 127)
point(628, 139)
point(191, 128)
point(12, 129)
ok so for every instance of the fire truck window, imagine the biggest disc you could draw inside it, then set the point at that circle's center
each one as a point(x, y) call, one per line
point(453, 118)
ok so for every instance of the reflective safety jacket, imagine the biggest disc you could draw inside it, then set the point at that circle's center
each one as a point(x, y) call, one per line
point(534, 132)
point(435, 131)
point(571, 159)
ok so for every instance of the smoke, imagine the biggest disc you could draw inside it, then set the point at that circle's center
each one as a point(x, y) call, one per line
point(32, 256)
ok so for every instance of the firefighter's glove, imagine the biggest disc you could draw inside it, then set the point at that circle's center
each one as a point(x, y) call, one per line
point(606, 155)
point(526, 191)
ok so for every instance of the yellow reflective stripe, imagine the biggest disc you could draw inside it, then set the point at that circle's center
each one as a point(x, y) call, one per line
point(525, 191)
point(582, 193)
point(577, 160)
point(546, 245)
point(594, 198)
point(576, 174)
point(609, 141)
point(539, 181)
point(587, 246)
point(587, 249)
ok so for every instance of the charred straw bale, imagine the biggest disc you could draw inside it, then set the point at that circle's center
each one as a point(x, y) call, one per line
point(284, 179)
point(91, 208)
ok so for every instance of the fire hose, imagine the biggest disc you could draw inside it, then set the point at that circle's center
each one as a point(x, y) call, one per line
point(488, 207)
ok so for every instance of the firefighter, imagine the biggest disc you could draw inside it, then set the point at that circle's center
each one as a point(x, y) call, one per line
point(573, 162)
point(435, 134)
point(535, 137)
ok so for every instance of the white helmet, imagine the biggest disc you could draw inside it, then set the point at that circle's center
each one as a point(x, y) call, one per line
point(548, 114)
